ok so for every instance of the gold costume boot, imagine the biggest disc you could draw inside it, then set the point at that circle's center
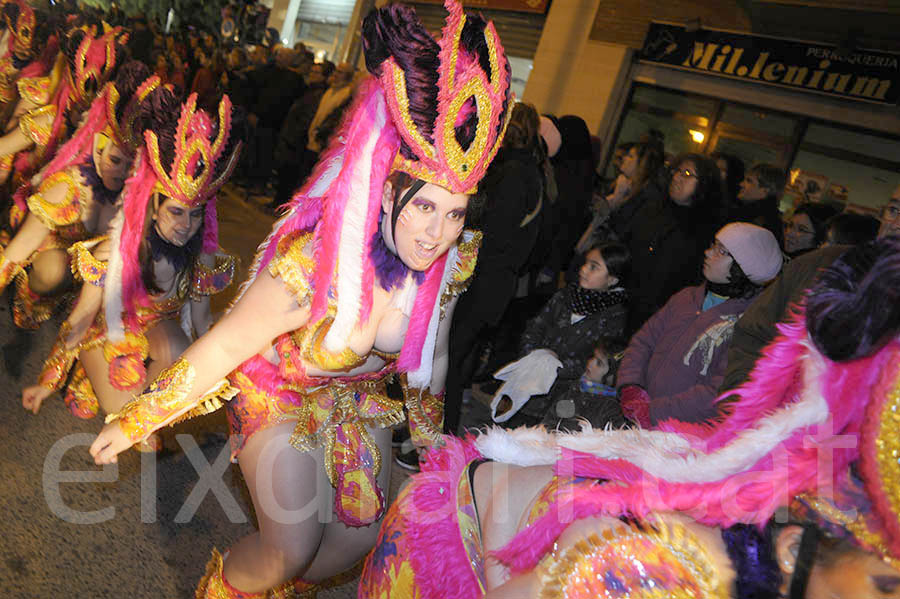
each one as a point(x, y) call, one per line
point(9, 270)
point(296, 588)
point(29, 308)
point(214, 586)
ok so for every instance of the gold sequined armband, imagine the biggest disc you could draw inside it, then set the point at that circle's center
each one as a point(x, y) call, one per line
point(166, 402)
point(9, 270)
point(36, 90)
point(210, 281)
point(294, 266)
point(37, 124)
point(85, 266)
point(643, 561)
point(57, 214)
point(464, 269)
point(426, 415)
point(57, 365)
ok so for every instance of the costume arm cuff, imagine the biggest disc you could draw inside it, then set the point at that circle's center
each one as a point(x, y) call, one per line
point(56, 214)
point(426, 416)
point(210, 281)
point(294, 266)
point(57, 365)
point(37, 124)
point(9, 270)
point(166, 402)
point(36, 90)
point(85, 266)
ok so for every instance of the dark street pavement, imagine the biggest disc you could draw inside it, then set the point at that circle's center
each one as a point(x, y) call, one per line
point(139, 529)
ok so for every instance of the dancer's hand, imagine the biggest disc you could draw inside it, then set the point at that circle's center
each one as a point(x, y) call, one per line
point(33, 397)
point(109, 443)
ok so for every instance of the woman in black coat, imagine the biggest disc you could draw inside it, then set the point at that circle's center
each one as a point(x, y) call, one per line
point(667, 235)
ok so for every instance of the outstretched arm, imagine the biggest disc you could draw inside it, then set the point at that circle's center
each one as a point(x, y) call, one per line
point(267, 310)
point(15, 141)
point(66, 349)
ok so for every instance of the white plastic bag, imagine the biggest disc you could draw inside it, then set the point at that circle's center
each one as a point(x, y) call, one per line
point(533, 374)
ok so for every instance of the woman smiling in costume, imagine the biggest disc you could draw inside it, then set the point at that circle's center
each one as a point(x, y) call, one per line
point(355, 283)
point(154, 274)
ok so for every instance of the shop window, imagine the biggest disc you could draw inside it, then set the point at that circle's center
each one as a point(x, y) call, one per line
point(749, 151)
point(323, 40)
point(683, 119)
point(685, 104)
point(753, 119)
point(827, 162)
point(846, 167)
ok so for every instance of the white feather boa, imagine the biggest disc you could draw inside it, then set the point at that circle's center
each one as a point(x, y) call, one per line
point(664, 455)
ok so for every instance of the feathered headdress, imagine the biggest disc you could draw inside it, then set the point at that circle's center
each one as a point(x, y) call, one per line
point(21, 22)
point(793, 429)
point(93, 63)
point(114, 112)
point(470, 89)
point(202, 158)
point(80, 74)
point(434, 110)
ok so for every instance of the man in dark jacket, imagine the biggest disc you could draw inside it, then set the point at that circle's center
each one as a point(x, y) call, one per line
point(278, 86)
point(293, 136)
point(757, 200)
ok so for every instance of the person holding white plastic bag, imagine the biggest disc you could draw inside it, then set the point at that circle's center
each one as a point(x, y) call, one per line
point(558, 342)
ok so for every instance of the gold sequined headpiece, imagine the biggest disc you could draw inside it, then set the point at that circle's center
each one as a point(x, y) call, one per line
point(472, 101)
point(22, 28)
point(199, 148)
point(94, 63)
point(122, 129)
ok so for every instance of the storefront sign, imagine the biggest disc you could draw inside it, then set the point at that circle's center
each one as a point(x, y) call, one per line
point(536, 6)
point(858, 74)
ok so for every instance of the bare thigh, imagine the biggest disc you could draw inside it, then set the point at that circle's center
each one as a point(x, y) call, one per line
point(165, 338)
point(97, 369)
point(290, 498)
point(167, 342)
point(50, 272)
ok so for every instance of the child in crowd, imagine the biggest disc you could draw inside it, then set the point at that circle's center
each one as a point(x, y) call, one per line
point(593, 396)
point(557, 342)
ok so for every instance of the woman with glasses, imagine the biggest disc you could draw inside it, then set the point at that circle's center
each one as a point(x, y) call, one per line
point(675, 363)
point(807, 228)
point(668, 235)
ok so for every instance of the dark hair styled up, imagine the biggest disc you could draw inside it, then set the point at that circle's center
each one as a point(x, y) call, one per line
point(854, 307)
point(395, 31)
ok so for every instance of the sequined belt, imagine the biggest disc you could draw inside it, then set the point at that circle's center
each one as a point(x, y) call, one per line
point(337, 415)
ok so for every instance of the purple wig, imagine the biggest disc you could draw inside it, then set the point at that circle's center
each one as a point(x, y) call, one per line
point(854, 307)
point(753, 557)
point(396, 32)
